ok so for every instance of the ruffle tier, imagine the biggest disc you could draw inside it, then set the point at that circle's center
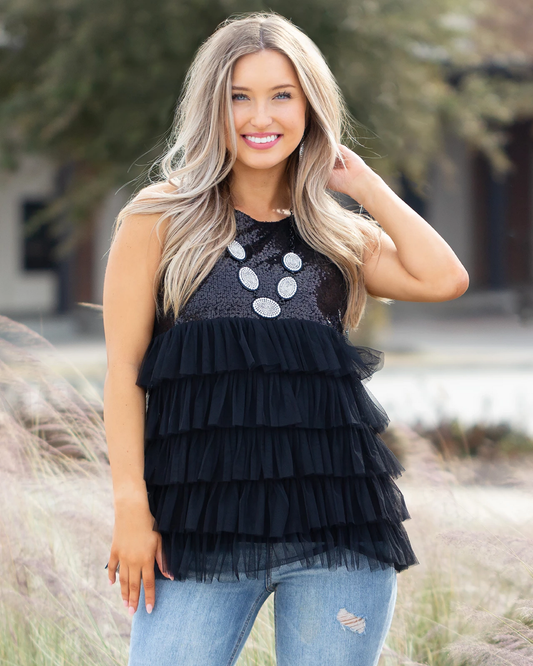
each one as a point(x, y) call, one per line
point(276, 507)
point(231, 557)
point(224, 344)
point(262, 447)
point(255, 398)
point(238, 454)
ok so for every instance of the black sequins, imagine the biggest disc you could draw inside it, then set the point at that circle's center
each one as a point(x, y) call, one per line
point(321, 286)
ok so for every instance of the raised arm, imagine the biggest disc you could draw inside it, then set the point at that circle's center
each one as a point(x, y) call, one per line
point(129, 310)
point(415, 263)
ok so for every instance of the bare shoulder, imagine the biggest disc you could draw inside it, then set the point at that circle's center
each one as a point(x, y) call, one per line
point(148, 192)
point(128, 294)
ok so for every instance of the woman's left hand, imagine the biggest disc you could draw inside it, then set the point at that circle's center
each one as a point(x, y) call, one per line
point(345, 178)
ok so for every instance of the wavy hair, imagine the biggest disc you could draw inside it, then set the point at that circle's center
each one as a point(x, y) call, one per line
point(193, 190)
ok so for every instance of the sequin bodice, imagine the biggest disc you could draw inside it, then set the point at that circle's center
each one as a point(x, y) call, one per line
point(321, 294)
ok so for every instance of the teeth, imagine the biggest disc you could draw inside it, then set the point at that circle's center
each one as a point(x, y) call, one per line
point(265, 139)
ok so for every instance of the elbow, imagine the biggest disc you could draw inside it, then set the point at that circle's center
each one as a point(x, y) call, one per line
point(455, 287)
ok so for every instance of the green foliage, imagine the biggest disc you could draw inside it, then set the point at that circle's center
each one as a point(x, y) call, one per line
point(94, 84)
point(486, 441)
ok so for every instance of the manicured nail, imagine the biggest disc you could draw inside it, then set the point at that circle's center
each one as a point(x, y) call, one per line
point(131, 610)
point(149, 608)
point(125, 603)
point(110, 581)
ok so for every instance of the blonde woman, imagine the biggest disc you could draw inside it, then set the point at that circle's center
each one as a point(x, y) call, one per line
point(244, 448)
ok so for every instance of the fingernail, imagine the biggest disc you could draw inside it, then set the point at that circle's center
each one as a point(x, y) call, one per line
point(125, 603)
point(110, 581)
point(149, 608)
point(131, 610)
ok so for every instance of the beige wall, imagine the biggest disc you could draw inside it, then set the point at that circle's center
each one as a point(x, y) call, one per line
point(22, 291)
point(449, 205)
point(104, 224)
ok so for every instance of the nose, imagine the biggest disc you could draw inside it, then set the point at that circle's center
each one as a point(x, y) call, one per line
point(261, 118)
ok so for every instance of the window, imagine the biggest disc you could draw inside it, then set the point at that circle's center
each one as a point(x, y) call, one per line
point(39, 244)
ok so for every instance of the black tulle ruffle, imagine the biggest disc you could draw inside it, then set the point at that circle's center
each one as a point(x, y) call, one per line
point(238, 453)
point(224, 344)
point(262, 447)
point(276, 507)
point(232, 557)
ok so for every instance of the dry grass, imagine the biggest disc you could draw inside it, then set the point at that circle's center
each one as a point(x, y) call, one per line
point(470, 601)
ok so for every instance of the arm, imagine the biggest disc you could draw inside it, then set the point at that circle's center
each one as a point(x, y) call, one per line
point(128, 310)
point(415, 262)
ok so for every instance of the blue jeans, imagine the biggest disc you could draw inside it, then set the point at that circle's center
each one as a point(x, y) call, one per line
point(322, 617)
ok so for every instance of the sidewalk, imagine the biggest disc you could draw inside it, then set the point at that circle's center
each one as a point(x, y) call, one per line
point(474, 368)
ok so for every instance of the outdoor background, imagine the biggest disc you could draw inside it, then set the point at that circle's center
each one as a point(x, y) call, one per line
point(442, 93)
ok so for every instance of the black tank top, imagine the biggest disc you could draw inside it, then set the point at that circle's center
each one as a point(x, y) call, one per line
point(262, 443)
point(321, 289)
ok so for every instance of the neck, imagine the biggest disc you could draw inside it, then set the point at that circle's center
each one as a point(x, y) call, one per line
point(263, 191)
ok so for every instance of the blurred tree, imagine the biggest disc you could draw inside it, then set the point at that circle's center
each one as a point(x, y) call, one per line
point(93, 84)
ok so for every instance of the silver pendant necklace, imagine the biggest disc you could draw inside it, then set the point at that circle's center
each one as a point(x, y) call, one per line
point(286, 287)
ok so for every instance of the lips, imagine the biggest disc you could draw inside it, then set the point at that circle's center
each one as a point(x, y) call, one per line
point(263, 145)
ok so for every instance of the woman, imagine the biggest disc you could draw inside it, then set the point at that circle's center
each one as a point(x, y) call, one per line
point(244, 448)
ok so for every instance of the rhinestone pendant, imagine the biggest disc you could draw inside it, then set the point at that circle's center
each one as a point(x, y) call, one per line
point(292, 262)
point(287, 287)
point(236, 250)
point(266, 307)
point(248, 278)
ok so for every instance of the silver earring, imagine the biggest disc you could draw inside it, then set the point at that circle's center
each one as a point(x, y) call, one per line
point(301, 149)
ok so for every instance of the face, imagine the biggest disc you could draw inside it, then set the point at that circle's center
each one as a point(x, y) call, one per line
point(269, 103)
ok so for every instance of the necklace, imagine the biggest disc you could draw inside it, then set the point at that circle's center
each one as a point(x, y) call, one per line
point(286, 287)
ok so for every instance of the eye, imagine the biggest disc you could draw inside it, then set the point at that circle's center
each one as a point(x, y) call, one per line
point(286, 93)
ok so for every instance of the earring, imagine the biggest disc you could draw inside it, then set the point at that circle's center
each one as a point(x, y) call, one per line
point(301, 149)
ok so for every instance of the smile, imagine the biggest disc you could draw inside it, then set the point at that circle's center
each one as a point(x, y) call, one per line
point(261, 142)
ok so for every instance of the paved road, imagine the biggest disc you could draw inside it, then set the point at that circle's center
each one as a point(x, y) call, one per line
point(473, 368)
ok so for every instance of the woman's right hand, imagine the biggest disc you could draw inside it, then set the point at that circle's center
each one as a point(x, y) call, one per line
point(135, 545)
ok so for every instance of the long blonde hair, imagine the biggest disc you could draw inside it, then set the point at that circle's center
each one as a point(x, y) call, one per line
point(193, 193)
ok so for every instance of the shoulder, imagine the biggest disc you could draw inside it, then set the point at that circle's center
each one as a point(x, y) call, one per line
point(146, 210)
point(155, 191)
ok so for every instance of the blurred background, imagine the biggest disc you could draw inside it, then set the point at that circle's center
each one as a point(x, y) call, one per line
point(442, 94)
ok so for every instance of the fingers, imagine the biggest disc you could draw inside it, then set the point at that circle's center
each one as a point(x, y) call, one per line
point(124, 584)
point(162, 560)
point(112, 566)
point(134, 580)
point(148, 579)
point(132, 576)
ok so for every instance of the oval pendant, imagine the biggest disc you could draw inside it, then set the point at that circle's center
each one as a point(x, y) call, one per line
point(266, 307)
point(287, 287)
point(248, 278)
point(292, 261)
point(236, 250)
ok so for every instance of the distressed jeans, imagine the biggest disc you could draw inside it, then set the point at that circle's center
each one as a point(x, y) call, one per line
point(334, 617)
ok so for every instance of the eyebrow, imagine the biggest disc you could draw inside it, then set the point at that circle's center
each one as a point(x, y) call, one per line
point(283, 85)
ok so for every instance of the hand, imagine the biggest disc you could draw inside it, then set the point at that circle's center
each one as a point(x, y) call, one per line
point(135, 545)
point(345, 178)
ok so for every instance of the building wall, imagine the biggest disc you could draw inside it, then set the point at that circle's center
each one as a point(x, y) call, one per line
point(107, 214)
point(23, 292)
point(449, 206)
